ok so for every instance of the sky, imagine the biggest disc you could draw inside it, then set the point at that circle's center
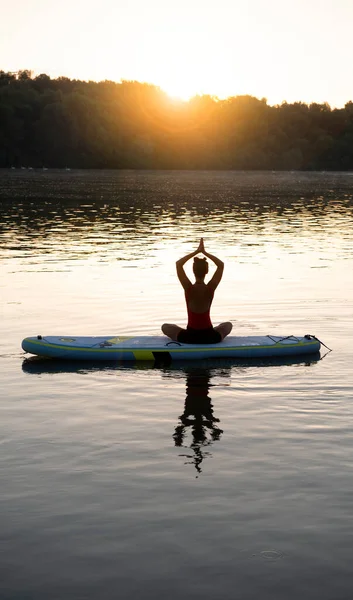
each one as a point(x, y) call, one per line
point(275, 49)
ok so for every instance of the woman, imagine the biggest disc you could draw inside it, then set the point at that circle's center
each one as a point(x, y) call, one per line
point(199, 298)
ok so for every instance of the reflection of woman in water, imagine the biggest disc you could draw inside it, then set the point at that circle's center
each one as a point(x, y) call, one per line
point(199, 296)
point(197, 405)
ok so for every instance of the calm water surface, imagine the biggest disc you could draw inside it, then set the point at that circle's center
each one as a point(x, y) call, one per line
point(212, 480)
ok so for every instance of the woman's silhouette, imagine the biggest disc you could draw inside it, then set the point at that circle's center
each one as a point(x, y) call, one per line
point(199, 296)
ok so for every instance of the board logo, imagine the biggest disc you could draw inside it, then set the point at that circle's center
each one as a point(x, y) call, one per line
point(117, 340)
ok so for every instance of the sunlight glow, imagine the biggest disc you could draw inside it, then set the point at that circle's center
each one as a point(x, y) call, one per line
point(222, 48)
point(188, 67)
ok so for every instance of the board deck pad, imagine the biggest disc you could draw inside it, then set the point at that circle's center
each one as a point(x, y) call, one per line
point(152, 348)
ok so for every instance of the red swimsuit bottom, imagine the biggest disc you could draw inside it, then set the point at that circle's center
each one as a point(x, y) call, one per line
point(199, 330)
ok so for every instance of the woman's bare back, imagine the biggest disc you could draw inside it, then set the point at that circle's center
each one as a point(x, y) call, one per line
point(199, 297)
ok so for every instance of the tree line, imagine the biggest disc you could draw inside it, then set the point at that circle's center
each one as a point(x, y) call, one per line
point(65, 122)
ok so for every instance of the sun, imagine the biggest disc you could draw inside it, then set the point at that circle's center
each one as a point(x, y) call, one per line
point(186, 77)
point(180, 88)
point(185, 67)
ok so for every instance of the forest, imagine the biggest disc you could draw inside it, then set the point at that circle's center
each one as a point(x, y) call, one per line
point(65, 123)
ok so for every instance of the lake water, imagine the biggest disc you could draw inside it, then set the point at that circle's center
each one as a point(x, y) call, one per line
point(105, 491)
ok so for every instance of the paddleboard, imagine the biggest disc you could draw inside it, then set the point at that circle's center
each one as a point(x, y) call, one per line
point(162, 349)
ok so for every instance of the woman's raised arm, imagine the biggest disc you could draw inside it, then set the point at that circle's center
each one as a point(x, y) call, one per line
point(214, 282)
point(183, 278)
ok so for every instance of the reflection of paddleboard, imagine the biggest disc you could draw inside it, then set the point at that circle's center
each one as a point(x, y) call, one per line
point(35, 365)
point(161, 348)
